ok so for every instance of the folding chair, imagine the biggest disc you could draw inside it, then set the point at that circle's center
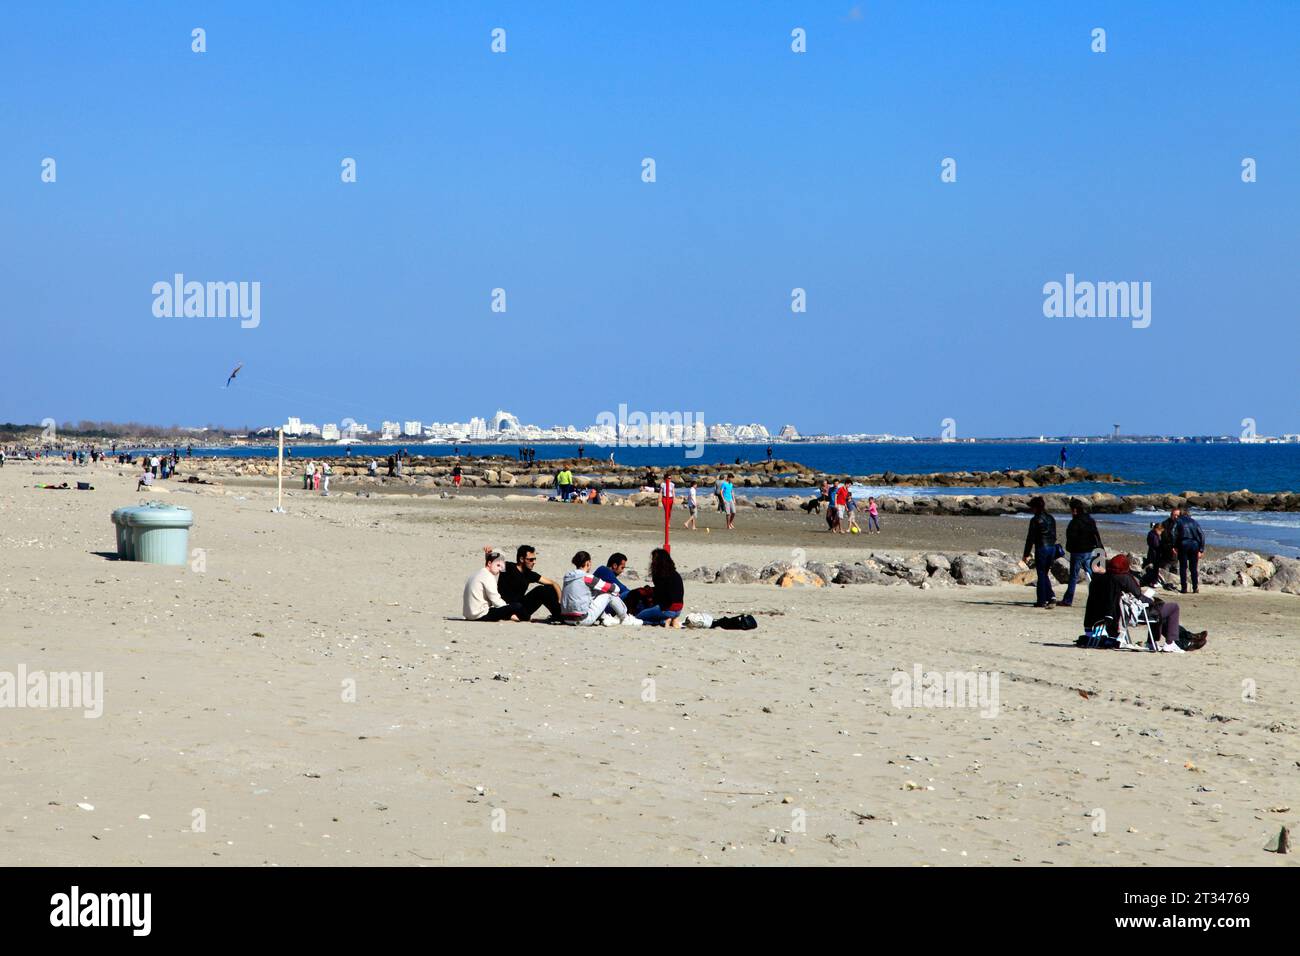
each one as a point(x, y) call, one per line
point(1133, 614)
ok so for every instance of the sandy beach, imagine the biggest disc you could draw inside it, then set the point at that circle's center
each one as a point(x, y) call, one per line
point(226, 700)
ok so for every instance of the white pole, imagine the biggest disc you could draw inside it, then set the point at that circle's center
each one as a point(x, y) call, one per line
point(279, 473)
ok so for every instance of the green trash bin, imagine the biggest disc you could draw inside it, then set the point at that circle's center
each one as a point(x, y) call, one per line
point(160, 533)
point(123, 532)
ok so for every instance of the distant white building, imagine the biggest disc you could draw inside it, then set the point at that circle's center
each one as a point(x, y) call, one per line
point(478, 429)
point(390, 430)
point(412, 429)
point(789, 433)
point(307, 428)
point(503, 421)
point(329, 432)
point(293, 426)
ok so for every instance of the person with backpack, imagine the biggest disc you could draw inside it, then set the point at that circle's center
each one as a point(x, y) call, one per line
point(1081, 539)
point(1189, 542)
point(1041, 543)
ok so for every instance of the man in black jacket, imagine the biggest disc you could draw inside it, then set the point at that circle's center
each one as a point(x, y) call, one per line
point(1189, 541)
point(1041, 542)
point(1081, 539)
point(514, 581)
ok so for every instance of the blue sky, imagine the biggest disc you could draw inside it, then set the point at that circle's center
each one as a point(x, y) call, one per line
point(775, 170)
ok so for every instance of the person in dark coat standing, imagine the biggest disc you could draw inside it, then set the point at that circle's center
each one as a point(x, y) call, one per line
point(1041, 543)
point(1189, 541)
point(1081, 539)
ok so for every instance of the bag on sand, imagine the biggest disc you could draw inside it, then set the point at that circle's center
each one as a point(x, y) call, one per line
point(738, 622)
point(1099, 637)
point(699, 619)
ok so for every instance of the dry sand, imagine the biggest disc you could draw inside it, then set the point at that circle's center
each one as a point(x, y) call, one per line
point(224, 694)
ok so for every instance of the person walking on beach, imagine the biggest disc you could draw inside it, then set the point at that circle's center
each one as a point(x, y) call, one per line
point(831, 490)
point(456, 477)
point(1041, 543)
point(842, 508)
point(727, 499)
point(481, 600)
point(1189, 541)
point(326, 471)
point(1081, 539)
point(852, 515)
point(692, 504)
point(873, 516)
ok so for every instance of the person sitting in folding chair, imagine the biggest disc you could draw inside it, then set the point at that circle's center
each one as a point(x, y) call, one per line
point(1116, 603)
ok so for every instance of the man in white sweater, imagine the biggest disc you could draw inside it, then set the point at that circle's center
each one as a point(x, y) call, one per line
point(482, 601)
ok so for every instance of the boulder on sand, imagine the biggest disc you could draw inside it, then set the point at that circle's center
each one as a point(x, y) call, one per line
point(1286, 577)
point(736, 573)
point(799, 578)
point(975, 569)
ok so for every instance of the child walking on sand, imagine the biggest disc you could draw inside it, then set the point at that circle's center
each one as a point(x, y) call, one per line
point(873, 516)
point(691, 505)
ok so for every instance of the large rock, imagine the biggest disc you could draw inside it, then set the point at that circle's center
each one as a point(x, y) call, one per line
point(775, 569)
point(736, 573)
point(863, 573)
point(975, 569)
point(1006, 565)
point(1238, 569)
point(799, 578)
point(1286, 577)
point(935, 562)
point(1060, 570)
point(824, 571)
point(705, 574)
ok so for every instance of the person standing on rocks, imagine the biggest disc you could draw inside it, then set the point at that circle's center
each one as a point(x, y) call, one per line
point(1041, 543)
point(1189, 541)
point(1081, 539)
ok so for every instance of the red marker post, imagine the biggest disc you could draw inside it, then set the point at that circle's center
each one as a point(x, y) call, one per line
point(666, 498)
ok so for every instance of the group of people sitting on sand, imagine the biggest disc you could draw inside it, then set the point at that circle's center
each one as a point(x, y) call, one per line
point(503, 591)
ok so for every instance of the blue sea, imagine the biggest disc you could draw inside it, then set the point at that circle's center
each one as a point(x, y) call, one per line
point(1150, 467)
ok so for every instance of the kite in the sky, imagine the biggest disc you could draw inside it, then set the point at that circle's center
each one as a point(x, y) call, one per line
point(233, 374)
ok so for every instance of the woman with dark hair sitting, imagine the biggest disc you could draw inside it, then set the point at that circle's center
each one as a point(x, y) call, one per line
point(667, 593)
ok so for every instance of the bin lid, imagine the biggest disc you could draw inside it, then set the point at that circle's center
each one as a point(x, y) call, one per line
point(156, 514)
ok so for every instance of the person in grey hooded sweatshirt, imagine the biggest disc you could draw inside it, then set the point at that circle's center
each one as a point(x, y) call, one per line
point(586, 597)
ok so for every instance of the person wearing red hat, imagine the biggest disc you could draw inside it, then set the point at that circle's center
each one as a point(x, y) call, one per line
point(1104, 607)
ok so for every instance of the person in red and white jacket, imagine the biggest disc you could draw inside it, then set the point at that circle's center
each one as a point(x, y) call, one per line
point(585, 597)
